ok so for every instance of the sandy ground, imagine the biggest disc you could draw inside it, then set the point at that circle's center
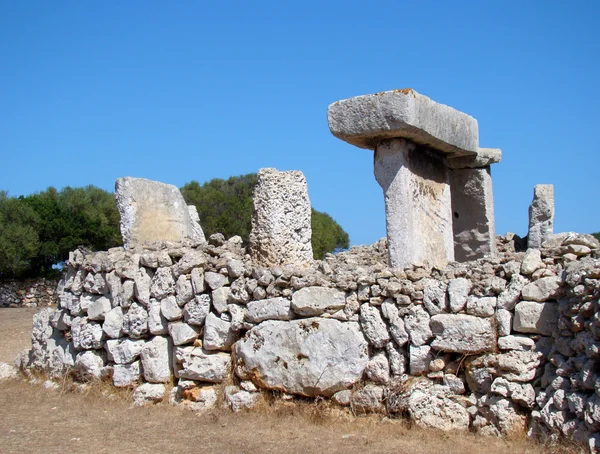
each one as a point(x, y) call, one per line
point(36, 420)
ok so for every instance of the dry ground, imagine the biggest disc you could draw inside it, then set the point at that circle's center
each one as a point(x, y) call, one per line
point(35, 420)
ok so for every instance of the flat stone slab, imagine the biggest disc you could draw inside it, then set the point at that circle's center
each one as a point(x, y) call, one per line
point(460, 333)
point(484, 158)
point(364, 121)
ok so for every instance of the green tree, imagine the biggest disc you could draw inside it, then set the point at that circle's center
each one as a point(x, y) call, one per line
point(225, 206)
point(19, 242)
point(597, 235)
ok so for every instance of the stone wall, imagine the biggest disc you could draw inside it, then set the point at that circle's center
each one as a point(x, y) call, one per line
point(28, 292)
point(492, 345)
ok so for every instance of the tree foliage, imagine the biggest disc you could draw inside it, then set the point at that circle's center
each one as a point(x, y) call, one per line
point(596, 235)
point(225, 206)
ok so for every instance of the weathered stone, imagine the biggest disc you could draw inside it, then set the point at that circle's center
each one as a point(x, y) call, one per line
point(198, 234)
point(182, 333)
point(397, 358)
point(148, 393)
point(281, 229)
point(220, 299)
point(435, 298)
point(396, 323)
point(310, 357)
point(417, 204)
point(367, 399)
point(143, 281)
point(518, 366)
point(95, 283)
point(378, 368)
point(195, 312)
point(113, 323)
point(509, 297)
point(89, 365)
point(157, 323)
point(532, 262)
point(98, 308)
point(416, 323)
point(239, 399)
point(194, 363)
point(156, 363)
point(215, 280)
point(135, 321)
point(312, 301)
point(191, 260)
point(541, 290)
point(126, 374)
point(515, 343)
point(419, 359)
point(170, 309)
point(538, 318)
point(462, 333)
point(268, 309)
point(163, 284)
point(183, 290)
point(473, 221)
point(484, 158)
point(458, 292)
point(503, 322)
point(541, 215)
point(86, 335)
point(7, 371)
point(152, 211)
point(364, 121)
point(124, 351)
point(373, 326)
point(218, 334)
point(481, 306)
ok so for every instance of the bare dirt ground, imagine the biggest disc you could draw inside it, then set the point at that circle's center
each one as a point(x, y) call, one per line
point(36, 420)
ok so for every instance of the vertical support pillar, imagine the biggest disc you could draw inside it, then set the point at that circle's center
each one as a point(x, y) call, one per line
point(541, 215)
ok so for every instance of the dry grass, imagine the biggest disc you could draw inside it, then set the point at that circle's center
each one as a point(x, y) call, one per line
point(102, 420)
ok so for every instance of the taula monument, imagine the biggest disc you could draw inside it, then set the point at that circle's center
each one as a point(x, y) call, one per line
point(444, 322)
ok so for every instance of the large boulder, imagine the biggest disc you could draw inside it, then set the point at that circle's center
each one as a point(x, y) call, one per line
point(310, 357)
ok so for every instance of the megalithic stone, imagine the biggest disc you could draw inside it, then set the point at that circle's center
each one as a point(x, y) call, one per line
point(281, 231)
point(411, 171)
point(541, 215)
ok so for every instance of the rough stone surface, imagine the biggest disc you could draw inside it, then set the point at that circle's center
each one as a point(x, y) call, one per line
point(124, 351)
point(416, 323)
point(269, 309)
point(194, 363)
point(373, 326)
point(539, 318)
point(366, 120)
point(417, 204)
point(484, 158)
point(473, 214)
point(419, 359)
point(156, 362)
point(239, 399)
point(218, 334)
point(153, 211)
point(113, 323)
point(541, 215)
point(458, 292)
point(310, 357)
point(7, 371)
point(182, 333)
point(462, 333)
point(148, 393)
point(195, 311)
point(281, 230)
point(126, 374)
point(541, 290)
point(312, 301)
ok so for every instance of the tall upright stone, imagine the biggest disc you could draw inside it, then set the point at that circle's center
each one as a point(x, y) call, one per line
point(153, 211)
point(281, 231)
point(541, 215)
point(415, 139)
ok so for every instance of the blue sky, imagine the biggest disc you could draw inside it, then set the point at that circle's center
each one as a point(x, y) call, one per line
point(181, 91)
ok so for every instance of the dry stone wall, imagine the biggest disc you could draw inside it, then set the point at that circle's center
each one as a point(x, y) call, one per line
point(490, 345)
point(28, 292)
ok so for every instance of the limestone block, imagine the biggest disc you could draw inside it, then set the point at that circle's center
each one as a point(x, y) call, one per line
point(281, 230)
point(218, 334)
point(532, 262)
point(541, 215)
point(373, 326)
point(268, 309)
point(135, 321)
point(170, 309)
point(220, 299)
point(312, 301)
point(398, 359)
point(156, 363)
point(196, 310)
point(153, 211)
point(183, 290)
point(395, 323)
point(538, 318)
point(113, 323)
point(435, 411)
point(126, 374)
point(458, 292)
point(157, 323)
point(163, 283)
point(182, 333)
point(124, 351)
point(435, 298)
point(484, 158)
point(481, 306)
point(89, 365)
point(419, 359)
point(473, 221)
point(366, 120)
point(8, 371)
point(215, 280)
point(462, 333)
point(239, 399)
point(511, 295)
point(194, 363)
point(520, 343)
point(378, 368)
point(190, 261)
point(367, 399)
point(418, 212)
point(198, 233)
point(416, 323)
point(309, 357)
point(541, 290)
point(148, 393)
point(86, 335)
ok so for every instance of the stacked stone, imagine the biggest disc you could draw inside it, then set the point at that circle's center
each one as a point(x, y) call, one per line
point(476, 345)
point(27, 293)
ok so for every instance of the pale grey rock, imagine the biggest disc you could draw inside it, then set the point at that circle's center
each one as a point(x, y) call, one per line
point(148, 393)
point(309, 357)
point(481, 306)
point(521, 393)
point(378, 368)
point(156, 363)
point(8, 371)
point(515, 343)
point(113, 323)
point(473, 220)
point(195, 312)
point(163, 284)
point(115, 288)
point(157, 323)
point(454, 384)
point(503, 414)
point(193, 363)
point(89, 365)
point(239, 399)
point(342, 397)
point(181, 333)
point(541, 290)
point(198, 233)
point(95, 283)
point(313, 301)
point(397, 359)
point(419, 359)
point(503, 322)
point(373, 326)
point(183, 290)
point(435, 298)
point(462, 333)
point(218, 334)
point(538, 318)
point(125, 375)
point(197, 278)
point(364, 121)
point(124, 351)
point(215, 280)
point(128, 266)
point(220, 299)
point(484, 158)
point(191, 260)
point(135, 321)
point(170, 309)
point(532, 262)
point(235, 268)
point(395, 323)
point(541, 215)
point(458, 292)
point(367, 399)
point(417, 204)
point(143, 281)
point(128, 293)
point(152, 211)
point(86, 335)
point(268, 309)
point(281, 230)
point(519, 366)
point(416, 323)
point(509, 297)
point(200, 399)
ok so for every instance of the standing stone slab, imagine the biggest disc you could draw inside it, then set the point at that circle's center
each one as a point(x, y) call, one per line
point(310, 357)
point(473, 214)
point(153, 211)
point(541, 215)
point(281, 231)
point(418, 212)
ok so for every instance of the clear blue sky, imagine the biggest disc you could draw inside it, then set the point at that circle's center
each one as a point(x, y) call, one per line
point(180, 91)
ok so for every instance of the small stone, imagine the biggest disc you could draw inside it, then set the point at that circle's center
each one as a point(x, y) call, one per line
point(155, 360)
point(126, 374)
point(312, 301)
point(170, 309)
point(218, 334)
point(458, 292)
point(373, 326)
point(215, 280)
point(148, 393)
point(99, 308)
point(520, 343)
point(378, 369)
point(193, 363)
point(182, 333)
point(532, 262)
point(113, 323)
point(481, 306)
point(239, 399)
point(220, 299)
point(537, 318)
point(419, 360)
point(195, 312)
